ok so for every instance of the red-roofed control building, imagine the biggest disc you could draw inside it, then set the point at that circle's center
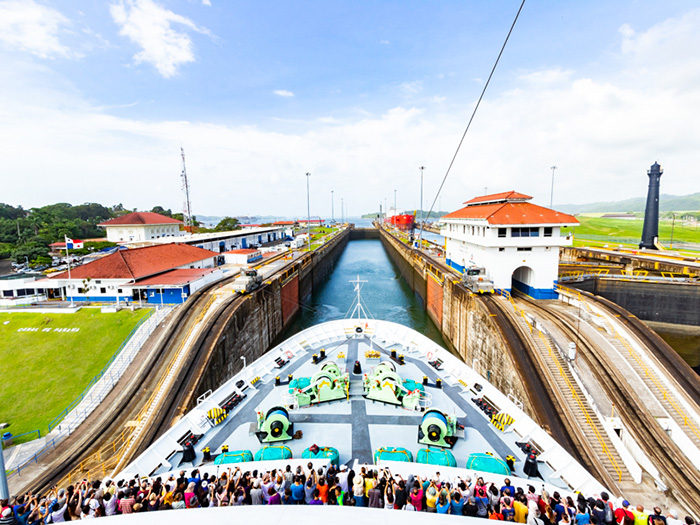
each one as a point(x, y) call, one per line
point(141, 226)
point(162, 274)
point(516, 241)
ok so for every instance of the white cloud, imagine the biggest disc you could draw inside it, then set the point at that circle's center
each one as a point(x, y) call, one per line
point(34, 28)
point(384, 42)
point(150, 26)
point(206, 2)
point(283, 93)
point(603, 132)
point(411, 88)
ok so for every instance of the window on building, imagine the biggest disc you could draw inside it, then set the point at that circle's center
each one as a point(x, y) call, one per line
point(524, 249)
point(525, 231)
point(103, 290)
point(501, 249)
point(547, 231)
point(119, 290)
point(502, 232)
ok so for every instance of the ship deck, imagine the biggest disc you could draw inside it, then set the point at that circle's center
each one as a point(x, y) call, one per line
point(357, 426)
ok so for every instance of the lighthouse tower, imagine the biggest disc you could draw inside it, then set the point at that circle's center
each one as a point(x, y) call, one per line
point(650, 233)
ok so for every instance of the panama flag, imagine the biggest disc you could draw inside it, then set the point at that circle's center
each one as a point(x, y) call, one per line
point(73, 244)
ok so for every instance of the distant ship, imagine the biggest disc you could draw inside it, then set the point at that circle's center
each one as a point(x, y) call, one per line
point(404, 222)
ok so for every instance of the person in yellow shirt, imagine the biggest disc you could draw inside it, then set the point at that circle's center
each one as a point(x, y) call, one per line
point(520, 508)
point(640, 517)
point(431, 496)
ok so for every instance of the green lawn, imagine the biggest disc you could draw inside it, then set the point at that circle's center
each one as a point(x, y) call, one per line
point(43, 371)
point(600, 229)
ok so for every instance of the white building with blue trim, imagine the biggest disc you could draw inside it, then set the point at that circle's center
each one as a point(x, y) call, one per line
point(517, 242)
point(163, 274)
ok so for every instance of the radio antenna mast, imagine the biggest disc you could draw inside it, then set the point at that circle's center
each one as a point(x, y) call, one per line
point(187, 215)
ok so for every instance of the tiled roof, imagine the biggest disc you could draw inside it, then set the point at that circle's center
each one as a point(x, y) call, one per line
point(139, 262)
point(175, 277)
point(507, 213)
point(497, 197)
point(283, 223)
point(140, 218)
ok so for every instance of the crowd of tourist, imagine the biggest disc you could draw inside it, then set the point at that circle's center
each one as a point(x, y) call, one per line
point(376, 488)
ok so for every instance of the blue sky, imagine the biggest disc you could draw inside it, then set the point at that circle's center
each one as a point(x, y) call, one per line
point(98, 97)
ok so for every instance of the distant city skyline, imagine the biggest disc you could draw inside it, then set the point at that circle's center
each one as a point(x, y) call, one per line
point(98, 97)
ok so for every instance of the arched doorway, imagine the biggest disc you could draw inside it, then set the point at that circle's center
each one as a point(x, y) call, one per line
point(523, 279)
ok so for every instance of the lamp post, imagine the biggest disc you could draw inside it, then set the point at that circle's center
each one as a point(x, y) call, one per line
point(332, 206)
point(308, 210)
point(551, 195)
point(395, 210)
point(245, 365)
point(4, 489)
point(342, 210)
point(420, 234)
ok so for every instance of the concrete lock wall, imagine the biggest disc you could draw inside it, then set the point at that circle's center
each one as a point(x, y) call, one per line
point(676, 303)
point(253, 327)
point(464, 321)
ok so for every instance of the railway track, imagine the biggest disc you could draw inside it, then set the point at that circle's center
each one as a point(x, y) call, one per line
point(685, 376)
point(176, 400)
point(106, 424)
point(679, 473)
point(546, 402)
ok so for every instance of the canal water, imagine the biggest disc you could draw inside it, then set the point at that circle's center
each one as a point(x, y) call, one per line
point(385, 294)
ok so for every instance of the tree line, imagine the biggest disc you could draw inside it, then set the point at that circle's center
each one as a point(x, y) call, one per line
point(25, 234)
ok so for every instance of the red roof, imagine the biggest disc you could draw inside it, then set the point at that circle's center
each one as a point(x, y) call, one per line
point(140, 218)
point(512, 213)
point(175, 277)
point(139, 262)
point(283, 223)
point(246, 251)
point(250, 226)
point(498, 197)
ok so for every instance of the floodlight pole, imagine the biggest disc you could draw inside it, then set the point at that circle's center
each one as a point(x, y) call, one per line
point(308, 210)
point(551, 195)
point(420, 234)
point(332, 207)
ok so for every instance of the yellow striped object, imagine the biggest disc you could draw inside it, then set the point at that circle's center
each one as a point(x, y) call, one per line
point(217, 415)
point(502, 421)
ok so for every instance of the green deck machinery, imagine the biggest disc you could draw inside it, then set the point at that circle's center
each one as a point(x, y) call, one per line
point(274, 426)
point(385, 385)
point(328, 384)
point(437, 429)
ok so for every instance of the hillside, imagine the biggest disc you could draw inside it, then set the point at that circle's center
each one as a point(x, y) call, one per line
point(666, 203)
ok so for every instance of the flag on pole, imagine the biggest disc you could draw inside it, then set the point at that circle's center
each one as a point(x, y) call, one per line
point(73, 244)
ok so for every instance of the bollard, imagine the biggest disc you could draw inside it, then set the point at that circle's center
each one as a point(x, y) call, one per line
point(277, 380)
point(315, 358)
point(425, 380)
point(393, 354)
point(438, 383)
point(401, 359)
point(323, 353)
point(290, 377)
point(357, 369)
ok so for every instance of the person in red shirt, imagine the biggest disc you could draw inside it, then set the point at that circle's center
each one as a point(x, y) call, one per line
point(624, 516)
